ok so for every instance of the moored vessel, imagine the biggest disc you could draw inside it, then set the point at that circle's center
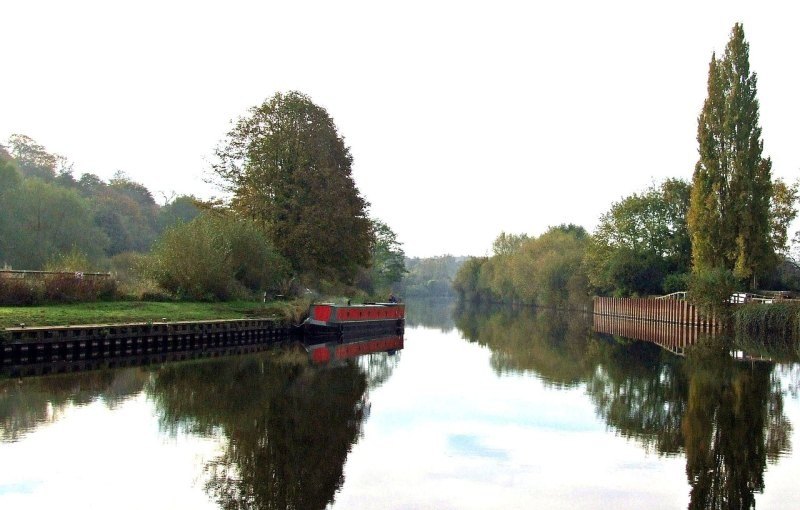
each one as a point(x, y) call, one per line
point(348, 323)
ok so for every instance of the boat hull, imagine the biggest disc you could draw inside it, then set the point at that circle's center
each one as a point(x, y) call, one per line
point(334, 323)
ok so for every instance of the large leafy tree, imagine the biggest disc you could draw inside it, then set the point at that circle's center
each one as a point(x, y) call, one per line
point(640, 240)
point(288, 168)
point(729, 216)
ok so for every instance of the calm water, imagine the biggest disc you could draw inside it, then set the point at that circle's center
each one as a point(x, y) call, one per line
point(493, 409)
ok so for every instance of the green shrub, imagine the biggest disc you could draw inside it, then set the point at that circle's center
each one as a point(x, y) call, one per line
point(767, 321)
point(216, 257)
point(676, 282)
point(711, 289)
point(71, 261)
point(68, 288)
point(61, 288)
point(19, 292)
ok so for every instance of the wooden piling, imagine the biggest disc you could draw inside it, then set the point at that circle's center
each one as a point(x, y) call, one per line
point(669, 311)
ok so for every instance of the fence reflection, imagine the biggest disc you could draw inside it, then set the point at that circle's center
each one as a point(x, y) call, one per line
point(673, 337)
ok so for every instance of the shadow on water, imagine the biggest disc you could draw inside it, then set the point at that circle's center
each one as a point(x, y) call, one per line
point(726, 417)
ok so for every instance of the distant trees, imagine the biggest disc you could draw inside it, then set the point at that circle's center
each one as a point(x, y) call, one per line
point(430, 276)
point(295, 210)
point(45, 212)
point(289, 169)
point(545, 270)
point(9, 184)
point(729, 215)
point(506, 244)
point(125, 210)
point(33, 159)
point(41, 220)
point(182, 209)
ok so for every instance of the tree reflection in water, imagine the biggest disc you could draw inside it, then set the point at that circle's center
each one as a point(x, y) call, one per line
point(378, 367)
point(725, 416)
point(26, 404)
point(288, 427)
point(433, 313)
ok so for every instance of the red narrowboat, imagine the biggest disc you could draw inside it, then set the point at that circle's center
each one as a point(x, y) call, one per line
point(347, 323)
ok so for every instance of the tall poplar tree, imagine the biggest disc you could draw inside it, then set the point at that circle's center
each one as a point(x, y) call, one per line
point(729, 213)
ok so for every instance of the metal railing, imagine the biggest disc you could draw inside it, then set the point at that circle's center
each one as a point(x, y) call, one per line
point(25, 273)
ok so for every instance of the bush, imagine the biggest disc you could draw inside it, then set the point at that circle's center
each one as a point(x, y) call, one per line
point(19, 292)
point(676, 282)
point(130, 272)
point(711, 289)
point(62, 288)
point(71, 261)
point(67, 288)
point(216, 257)
point(768, 321)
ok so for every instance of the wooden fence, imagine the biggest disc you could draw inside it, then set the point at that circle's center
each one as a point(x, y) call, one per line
point(670, 311)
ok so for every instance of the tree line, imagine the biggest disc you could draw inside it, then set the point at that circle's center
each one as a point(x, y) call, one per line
point(293, 220)
point(46, 212)
point(726, 229)
point(430, 277)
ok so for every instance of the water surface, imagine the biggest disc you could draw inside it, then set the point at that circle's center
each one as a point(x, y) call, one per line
point(482, 409)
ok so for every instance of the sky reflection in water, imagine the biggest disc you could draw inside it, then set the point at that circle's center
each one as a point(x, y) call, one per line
point(482, 409)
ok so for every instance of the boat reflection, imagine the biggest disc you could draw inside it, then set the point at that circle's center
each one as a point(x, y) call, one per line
point(335, 351)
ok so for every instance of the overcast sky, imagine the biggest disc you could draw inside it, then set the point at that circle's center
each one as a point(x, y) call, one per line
point(464, 118)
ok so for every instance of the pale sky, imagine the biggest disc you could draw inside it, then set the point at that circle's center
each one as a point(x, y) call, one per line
point(464, 118)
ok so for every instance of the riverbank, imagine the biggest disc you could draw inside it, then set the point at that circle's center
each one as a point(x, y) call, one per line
point(116, 312)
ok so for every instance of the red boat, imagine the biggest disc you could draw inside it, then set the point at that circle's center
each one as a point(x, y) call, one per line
point(334, 351)
point(348, 323)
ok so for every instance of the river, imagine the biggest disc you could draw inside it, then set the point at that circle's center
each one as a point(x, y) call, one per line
point(482, 409)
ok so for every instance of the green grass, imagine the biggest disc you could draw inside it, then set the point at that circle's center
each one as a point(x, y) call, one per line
point(142, 311)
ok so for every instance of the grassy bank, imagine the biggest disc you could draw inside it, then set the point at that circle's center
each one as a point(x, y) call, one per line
point(143, 311)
